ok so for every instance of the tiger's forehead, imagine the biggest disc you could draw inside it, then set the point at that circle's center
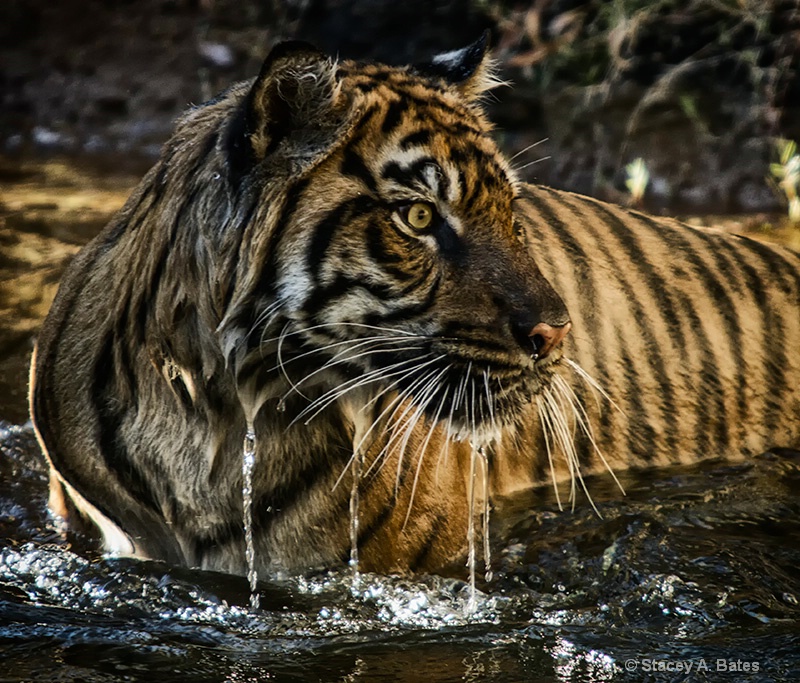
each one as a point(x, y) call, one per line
point(403, 90)
point(427, 129)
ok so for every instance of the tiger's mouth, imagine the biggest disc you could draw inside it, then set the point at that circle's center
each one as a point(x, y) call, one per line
point(475, 398)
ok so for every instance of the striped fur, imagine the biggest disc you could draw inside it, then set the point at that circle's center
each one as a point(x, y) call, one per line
point(265, 274)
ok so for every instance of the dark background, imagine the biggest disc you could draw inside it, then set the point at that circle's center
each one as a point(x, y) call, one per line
point(698, 88)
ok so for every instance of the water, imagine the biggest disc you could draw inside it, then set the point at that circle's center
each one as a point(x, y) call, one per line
point(248, 465)
point(478, 461)
point(694, 566)
point(356, 465)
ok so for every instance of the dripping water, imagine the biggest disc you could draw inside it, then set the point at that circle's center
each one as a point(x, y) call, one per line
point(356, 467)
point(248, 465)
point(487, 548)
point(478, 458)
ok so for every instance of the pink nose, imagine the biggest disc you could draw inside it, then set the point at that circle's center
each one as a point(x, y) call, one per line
point(546, 337)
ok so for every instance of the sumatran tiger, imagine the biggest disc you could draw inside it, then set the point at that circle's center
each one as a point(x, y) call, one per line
point(333, 268)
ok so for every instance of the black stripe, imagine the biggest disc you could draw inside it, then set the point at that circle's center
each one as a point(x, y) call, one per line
point(325, 230)
point(379, 250)
point(641, 435)
point(775, 262)
point(773, 339)
point(266, 283)
point(561, 232)
point(406, 176)
point(632, 397)
point(353, 165)
point(323, 297)
point(109, 419)
point(418, 138)
point(393, 116)
point(636, 258)
point(423, 552)
point(723, 303)
point(405, 312)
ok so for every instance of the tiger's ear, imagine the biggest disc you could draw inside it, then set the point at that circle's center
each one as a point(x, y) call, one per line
point(471, 70)
point(294, 101)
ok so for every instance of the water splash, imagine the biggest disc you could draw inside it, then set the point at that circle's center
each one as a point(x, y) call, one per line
point(478, 457)
point(248, 465)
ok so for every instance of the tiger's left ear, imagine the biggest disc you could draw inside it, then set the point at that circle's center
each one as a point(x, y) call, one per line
point(471, 70)
point(294, 108)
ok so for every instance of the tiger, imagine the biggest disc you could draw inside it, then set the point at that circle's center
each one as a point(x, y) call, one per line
point(333, 296)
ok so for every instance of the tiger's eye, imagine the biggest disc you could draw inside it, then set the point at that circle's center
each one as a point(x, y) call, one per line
point(419, 216)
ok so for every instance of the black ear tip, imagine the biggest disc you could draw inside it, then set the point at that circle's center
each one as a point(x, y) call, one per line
point(457, 66)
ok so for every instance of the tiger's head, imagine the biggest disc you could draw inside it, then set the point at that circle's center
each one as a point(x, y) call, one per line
point(383, 255)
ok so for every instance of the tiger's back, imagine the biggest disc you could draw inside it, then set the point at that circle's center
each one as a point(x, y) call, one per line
point(688, 330)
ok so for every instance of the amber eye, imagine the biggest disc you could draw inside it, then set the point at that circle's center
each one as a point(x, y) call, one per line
point(418, 215)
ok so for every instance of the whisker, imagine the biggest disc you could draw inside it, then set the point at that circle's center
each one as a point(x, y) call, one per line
point(585, 424)
point(332, 395)
point(341, 358)
point(531, 163)
point(354, 342)
point(528, 148)
point(570, 445)
point(592, 382)
point(544, 420)
point(336, 325)
point(428, 395)
point(394, 423)
point(424, 397)
point(281, 366)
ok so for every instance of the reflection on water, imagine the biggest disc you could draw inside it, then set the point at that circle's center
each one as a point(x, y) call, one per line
point(47, 211)
point(695, 566)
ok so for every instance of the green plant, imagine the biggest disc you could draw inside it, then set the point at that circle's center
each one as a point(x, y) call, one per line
point(787, 175)
point(637, 180)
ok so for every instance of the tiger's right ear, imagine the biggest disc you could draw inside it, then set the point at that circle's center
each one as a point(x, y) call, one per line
point(294, 105)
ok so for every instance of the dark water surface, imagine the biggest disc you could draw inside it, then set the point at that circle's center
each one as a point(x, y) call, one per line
point(697, 566)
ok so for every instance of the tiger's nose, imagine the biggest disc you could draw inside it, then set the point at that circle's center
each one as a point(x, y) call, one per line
point(545, 338)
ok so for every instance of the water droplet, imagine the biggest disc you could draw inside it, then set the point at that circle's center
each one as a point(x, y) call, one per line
point(281, 407)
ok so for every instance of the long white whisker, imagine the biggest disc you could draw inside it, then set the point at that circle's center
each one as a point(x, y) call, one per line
point(585, 424)
point(341, 358)
point(563, 403)
point(531, 163)
point(337, 325)
point(322, 402)
point(426, 396)
point(528, 148)
point(394, 422)
point(544, 420)
point(421, 450)
point(280, 363)
point(351, 343)
point(592, 382)
point(423, 397)
point(332, 395)
point(561, 435)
